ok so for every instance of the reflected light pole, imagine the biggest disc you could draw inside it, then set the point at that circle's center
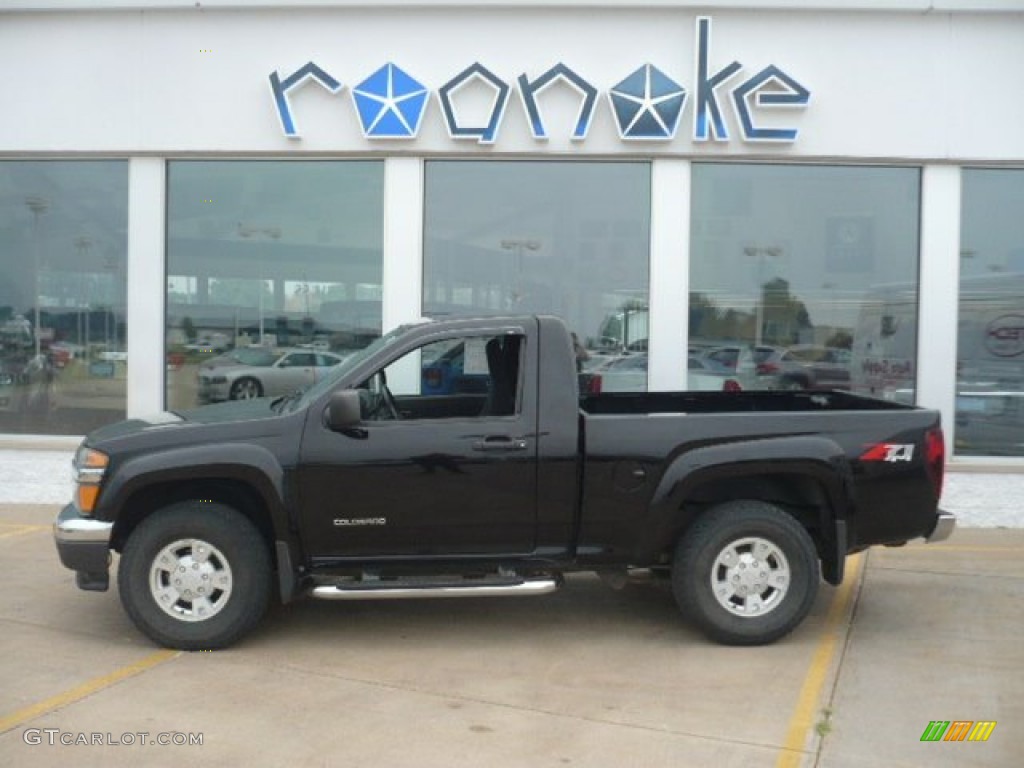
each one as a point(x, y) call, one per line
point(270, 233)
point(760, 254)
point(83, 243)
point(834, 311)
point(518, 245)
point(305, 290)
point(38, 205)
point(112, 266)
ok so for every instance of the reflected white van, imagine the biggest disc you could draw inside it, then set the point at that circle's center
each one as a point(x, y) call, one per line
point(990, 358)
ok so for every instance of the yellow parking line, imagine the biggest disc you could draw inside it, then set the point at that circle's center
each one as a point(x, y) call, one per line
point(21, 530)
point(85, 689)
point(802, 719)
point(926, 549)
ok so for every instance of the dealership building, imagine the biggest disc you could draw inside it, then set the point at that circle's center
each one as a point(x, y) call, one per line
point(832, 192)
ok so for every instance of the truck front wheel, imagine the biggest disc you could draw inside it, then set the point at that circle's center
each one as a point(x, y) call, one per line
point(195, 576)
point(746, 572)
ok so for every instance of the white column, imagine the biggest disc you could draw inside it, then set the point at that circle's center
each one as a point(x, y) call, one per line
point(939, 293)
point(670, 274)
point(146, 286)
point(403, 241)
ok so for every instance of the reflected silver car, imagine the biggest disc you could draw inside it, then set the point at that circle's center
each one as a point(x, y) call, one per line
point(259, 372)
point(629, 374)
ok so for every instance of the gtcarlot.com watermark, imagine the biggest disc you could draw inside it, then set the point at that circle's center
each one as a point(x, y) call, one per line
point(55, 737)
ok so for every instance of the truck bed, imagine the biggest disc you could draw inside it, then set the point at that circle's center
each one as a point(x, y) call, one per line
point(685, 449)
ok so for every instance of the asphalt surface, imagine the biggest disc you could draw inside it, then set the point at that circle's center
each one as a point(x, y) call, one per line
point(587, 676)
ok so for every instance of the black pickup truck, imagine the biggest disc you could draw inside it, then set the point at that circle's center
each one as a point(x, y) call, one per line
point(459, 458)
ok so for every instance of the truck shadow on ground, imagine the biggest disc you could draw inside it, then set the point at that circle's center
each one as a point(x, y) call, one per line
point(584, 609)
point(583, 606)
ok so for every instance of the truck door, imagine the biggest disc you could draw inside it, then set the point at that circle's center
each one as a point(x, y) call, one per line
point(430, 473)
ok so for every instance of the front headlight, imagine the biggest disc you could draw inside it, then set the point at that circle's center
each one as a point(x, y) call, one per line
point(89, 467)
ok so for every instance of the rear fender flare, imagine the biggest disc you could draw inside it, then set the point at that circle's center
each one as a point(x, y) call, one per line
point(813, 457)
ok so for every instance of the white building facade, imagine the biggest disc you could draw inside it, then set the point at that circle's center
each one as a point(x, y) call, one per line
point(834, 189)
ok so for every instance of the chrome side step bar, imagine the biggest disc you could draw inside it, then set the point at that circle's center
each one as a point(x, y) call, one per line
point(401, 591)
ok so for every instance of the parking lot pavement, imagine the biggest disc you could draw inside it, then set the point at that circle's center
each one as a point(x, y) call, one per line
point(585, 677)
point(936, 636)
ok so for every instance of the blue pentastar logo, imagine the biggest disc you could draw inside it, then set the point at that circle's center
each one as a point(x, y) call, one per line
point(647, 104)
point(390, 104)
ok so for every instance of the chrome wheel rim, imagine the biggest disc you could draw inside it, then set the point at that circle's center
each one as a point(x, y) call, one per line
point(247, 390)
point(750, 577)
point(190, 580)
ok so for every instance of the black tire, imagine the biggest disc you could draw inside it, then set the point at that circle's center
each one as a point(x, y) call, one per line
point(768, 573)
point(246, 388)
point(224, 556)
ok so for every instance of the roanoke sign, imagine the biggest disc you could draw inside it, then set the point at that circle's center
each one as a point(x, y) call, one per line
point(646, 105)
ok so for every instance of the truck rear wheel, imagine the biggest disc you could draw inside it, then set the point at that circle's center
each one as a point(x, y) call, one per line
point(195, 576)
point(746, 572)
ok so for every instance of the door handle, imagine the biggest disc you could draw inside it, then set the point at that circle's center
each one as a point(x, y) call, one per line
point(500, 443)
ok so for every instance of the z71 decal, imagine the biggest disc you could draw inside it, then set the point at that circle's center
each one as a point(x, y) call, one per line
point(891, 452)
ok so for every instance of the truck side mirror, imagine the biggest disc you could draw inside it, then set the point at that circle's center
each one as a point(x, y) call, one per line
point(343, 410)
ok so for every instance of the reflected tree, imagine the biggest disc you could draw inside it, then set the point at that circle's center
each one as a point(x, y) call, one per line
point(840, 340)
point(709, 321)
point(785, 317)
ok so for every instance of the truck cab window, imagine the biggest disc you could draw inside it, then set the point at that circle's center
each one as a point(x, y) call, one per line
point(460, 377)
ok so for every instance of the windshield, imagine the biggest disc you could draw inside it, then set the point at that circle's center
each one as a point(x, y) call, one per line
point(347, 365)
point(254, 356)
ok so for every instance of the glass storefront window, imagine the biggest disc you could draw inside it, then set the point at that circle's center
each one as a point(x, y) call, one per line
point(565, 238)
point(273, 274)
point(805, 277)
point(63, 246)
point(990, 339)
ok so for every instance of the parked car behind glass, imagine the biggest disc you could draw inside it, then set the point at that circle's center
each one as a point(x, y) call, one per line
point(807, 367)
point(259, 372)
point(629, 374)
point(740, 361)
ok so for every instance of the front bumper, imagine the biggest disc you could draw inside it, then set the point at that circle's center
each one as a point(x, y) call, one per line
point(944, 527)
point(83, 545)
point(209, 392)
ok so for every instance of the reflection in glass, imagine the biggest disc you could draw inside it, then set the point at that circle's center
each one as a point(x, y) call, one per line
point(274, 274)
point(805, 277)
point(990, 339)
point(63, 245)
point(563, 238)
